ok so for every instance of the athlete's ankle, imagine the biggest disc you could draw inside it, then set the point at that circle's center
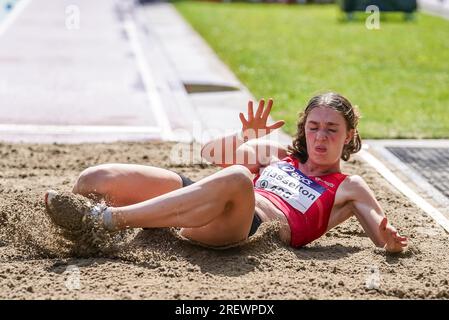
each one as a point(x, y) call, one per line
point(103, 214)
point(108, 222)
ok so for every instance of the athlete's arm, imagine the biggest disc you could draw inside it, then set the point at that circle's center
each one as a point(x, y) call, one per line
point(372, 218)
point(246, 148)
point(259, 153)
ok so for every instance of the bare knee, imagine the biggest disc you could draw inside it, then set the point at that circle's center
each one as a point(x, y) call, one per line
point(239, 178)
point(93, 180)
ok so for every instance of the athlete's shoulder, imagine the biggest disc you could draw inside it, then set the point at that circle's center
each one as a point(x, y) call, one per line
point(354, 186)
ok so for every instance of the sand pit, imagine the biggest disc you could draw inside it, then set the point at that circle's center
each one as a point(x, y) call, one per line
point(36, 262)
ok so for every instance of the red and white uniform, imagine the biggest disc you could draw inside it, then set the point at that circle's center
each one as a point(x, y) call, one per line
point(306, 201)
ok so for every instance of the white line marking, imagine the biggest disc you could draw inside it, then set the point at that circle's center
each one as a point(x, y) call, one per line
point(402, 187)
point(12, 16)
point(73, 129)
point(150, 85)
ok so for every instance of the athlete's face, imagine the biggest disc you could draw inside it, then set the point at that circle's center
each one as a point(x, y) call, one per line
point(326, 135)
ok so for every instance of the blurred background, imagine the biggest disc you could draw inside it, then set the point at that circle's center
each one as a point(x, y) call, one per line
point(397, 74)
point(393, 63)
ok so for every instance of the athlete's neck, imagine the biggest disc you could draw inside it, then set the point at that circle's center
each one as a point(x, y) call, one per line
point(313, 169)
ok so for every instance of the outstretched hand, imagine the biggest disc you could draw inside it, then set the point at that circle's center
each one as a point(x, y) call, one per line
point(255, 125)
point(394, 242)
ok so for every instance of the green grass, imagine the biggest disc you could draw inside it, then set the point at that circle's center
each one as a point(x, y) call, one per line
point(398, 75)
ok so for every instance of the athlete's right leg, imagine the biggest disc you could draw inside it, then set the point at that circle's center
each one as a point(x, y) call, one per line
point(217, 210)
point(126, 184)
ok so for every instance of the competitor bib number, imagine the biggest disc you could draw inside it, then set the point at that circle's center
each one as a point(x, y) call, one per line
point(291, 185)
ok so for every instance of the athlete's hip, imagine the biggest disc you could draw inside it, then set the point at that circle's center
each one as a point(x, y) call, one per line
point(267, 211)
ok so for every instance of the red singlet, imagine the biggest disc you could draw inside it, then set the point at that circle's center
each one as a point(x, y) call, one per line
point(306, 201)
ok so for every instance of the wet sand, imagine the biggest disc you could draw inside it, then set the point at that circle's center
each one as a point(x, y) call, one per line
point(37, 262)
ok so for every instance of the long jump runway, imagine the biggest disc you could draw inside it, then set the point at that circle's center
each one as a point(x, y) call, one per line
point(69, 72)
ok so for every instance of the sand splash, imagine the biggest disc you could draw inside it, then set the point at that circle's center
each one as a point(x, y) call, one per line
point(65, 233)
point(157, 264)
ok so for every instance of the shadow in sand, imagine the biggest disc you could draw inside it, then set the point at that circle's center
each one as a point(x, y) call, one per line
point(332, 252)
point(394, 258)
point(63, 265)
point(155, 247)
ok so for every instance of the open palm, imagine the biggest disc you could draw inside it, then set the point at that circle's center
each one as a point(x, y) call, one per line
point(255, 125)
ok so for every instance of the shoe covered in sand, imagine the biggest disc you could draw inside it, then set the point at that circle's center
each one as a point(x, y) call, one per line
point(72, 212)
point(81, 221)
